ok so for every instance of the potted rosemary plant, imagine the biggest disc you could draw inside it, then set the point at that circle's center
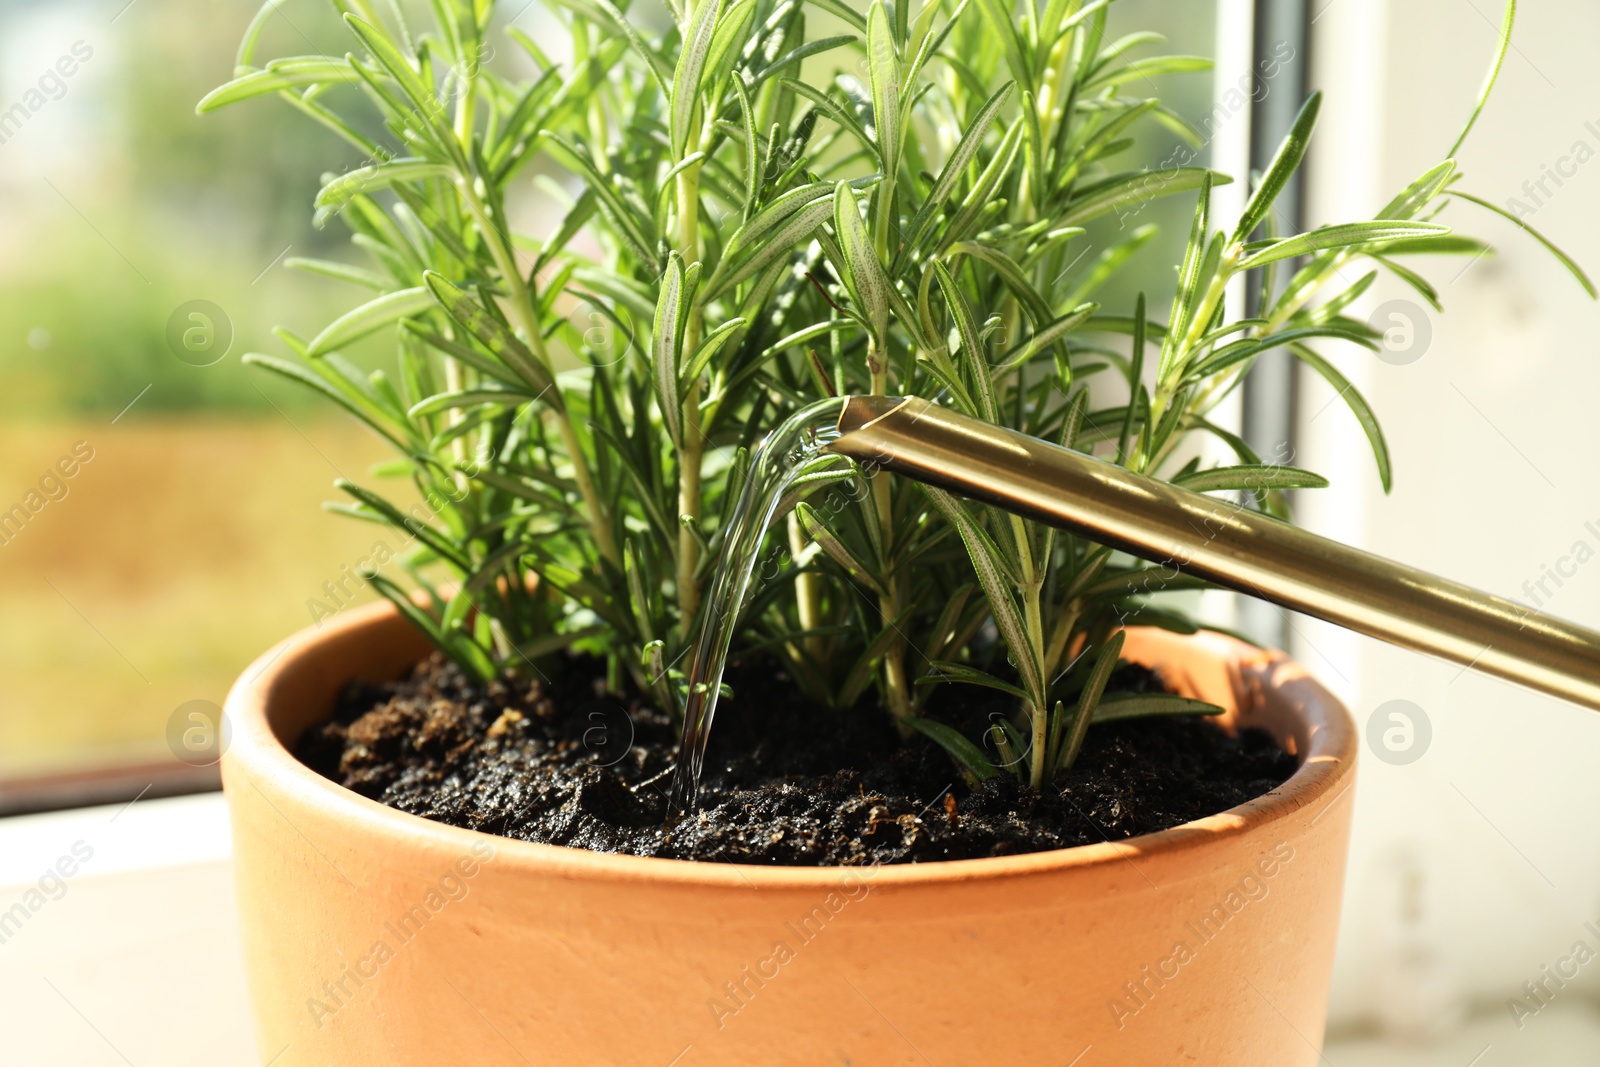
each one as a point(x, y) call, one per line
point(959, 752)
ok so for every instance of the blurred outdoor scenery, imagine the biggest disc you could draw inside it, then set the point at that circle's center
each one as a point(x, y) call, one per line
point(191, 539)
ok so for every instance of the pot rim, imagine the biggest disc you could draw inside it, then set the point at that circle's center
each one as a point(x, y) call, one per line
point(256, 755)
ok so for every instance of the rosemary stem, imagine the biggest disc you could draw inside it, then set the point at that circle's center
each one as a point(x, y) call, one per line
point(691, 457)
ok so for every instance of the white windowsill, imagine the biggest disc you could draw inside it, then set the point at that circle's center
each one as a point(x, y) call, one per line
point(136, 960)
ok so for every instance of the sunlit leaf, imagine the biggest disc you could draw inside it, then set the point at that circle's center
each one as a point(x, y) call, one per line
point(1377, 233)
point(372, 317)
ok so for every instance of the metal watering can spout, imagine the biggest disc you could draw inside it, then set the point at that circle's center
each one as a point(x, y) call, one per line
point(1235, 547)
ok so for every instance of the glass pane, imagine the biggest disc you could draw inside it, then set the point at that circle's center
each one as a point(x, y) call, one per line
point(1189, 29)
point(159, 520)
point(158, 500)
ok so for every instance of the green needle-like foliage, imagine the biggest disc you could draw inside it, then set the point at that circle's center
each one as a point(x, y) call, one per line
point(770, 202)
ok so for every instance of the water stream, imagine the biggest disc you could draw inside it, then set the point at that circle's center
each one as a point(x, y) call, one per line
point(777, 462)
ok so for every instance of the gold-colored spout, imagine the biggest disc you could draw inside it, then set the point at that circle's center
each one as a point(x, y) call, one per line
point(859, 411)
point(1222, 542)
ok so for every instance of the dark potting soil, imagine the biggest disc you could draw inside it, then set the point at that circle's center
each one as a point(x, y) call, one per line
point(786, 783)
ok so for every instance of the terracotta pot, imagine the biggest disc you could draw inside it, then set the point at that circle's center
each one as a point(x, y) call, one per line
point(375, 937)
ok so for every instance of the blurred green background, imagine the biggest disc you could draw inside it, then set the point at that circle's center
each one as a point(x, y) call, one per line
point(192, 540)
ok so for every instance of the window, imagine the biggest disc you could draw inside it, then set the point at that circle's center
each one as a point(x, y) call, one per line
point(158, 501)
